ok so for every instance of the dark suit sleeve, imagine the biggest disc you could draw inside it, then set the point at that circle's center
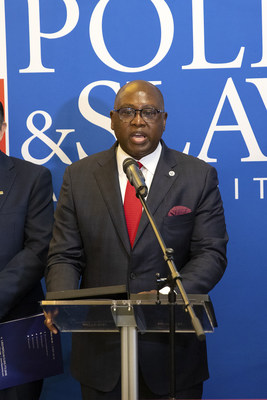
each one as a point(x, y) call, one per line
point(66, 255)
point(207, 258)
point(26, 268)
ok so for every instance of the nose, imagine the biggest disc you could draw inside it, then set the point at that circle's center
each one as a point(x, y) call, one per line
point(138, 120)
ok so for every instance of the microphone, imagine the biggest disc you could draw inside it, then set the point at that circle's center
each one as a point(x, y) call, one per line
point(135, 176)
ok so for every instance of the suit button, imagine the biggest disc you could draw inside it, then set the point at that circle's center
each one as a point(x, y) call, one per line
point(132, 276)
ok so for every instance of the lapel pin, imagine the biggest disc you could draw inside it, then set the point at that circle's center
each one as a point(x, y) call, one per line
point(171, 173)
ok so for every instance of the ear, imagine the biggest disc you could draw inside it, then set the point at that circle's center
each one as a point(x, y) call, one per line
point(2, 130)
point(111, 117)
point(164, 120)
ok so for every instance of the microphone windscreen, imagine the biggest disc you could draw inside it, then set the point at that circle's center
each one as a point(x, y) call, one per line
point(127, 163)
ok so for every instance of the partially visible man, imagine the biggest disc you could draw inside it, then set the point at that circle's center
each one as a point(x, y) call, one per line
point(26, 218)
point(91, 239)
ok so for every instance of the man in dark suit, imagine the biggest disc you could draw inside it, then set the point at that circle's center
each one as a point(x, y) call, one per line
point(26, 218)
point(90, 240)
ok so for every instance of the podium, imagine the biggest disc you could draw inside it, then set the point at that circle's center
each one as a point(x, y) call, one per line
point(139, 313)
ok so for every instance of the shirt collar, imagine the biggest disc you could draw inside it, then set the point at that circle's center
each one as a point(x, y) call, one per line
point(149, 162)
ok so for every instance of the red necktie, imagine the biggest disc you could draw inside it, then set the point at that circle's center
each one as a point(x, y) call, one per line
point(132, 210)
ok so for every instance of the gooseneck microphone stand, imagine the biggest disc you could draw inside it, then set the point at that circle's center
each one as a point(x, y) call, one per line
point(136, 178)
point(175, 278)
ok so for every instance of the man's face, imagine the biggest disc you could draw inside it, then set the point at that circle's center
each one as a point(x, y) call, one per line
point(138, 138)
point(2, 130)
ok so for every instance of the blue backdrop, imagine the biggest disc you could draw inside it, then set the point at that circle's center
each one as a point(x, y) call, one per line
point(61, 63)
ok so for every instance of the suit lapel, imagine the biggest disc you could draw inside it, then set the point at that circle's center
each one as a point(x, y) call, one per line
point(165, 175)
point(7, 177)
point(106, 174)
point(107, 178)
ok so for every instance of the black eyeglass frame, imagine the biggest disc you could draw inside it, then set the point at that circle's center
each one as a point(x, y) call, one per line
point(140, 110)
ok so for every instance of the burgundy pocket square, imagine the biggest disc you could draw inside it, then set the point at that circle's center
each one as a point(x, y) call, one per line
point(179, 210)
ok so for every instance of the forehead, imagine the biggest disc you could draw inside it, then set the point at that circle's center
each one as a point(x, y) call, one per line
point(138, 95)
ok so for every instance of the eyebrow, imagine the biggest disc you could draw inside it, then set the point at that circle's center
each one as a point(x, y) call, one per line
point(133, 106)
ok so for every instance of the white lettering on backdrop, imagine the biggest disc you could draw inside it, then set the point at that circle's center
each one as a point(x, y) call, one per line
point(97, 40)
point(261, 180)
point(39, 134)
point(167, 32)
point(242, 125)
point(260, 193)
point(35, 33)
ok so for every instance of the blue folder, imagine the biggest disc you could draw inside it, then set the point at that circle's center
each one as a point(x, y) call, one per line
point(28, 351)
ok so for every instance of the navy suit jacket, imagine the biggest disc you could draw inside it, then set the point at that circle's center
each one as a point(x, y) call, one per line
point(90, 239)
point(26, 218)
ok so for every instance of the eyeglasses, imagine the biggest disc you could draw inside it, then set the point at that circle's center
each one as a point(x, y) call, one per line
point(127, 114)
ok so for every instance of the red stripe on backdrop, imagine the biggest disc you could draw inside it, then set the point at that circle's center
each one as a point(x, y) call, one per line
point(2, 97)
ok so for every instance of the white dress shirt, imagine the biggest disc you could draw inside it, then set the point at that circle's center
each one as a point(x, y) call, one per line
point(148, 169)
